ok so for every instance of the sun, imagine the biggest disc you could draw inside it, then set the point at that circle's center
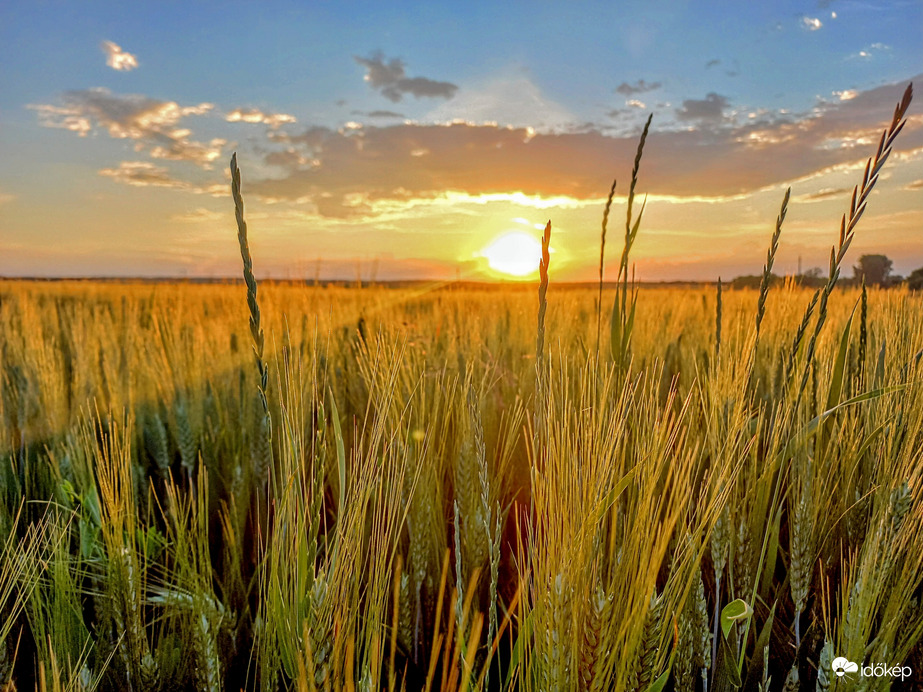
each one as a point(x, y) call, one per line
point(514, 253)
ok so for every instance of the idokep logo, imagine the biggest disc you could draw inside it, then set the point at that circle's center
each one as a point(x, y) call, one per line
point(841, 666)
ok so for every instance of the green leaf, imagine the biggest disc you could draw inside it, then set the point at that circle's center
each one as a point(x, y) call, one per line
point(839, 365)
point(525, 634)
point(727, 676)
point(880, 367)
point(341, 466)
point(660, 682)
point(615, 333)
point(341, 452)
point(613, 494)
point(809, 430)
point(735, 611)
point(755, 666)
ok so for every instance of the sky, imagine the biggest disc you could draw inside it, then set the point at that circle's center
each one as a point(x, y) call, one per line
point(433, 141)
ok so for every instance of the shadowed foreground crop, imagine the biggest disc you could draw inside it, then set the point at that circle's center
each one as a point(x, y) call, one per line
point(456, 488)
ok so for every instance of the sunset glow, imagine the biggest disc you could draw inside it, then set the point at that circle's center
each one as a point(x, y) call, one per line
point(390, 145)
point(515, 253)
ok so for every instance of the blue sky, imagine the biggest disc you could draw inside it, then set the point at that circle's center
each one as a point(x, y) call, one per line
point(407, 137)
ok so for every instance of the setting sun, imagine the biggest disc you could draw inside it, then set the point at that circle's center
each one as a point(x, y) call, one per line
point(515, 253)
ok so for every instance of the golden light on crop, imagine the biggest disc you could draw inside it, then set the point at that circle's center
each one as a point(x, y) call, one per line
point(514, 253)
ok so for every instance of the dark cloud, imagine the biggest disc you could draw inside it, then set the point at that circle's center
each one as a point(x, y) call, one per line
point(712, 63)
point(380, 114)
point(639, 87)
point(709, 110)
point(390, 79)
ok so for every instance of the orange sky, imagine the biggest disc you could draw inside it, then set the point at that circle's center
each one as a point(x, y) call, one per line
point(116, 151)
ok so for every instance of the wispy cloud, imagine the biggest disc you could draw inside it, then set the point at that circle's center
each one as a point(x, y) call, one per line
point(639, 87)
point(147, 174)
point(151, 123)
point(822, 195)
point(6, 198)
point(256, 116)
point(491, 103)
point(811, 23)
point(118, 59)
point(871, 51)
point(142, 174)
point(390, 79)
point(198, 215)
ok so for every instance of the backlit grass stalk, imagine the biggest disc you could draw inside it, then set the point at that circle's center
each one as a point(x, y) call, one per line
point(256, 331)
point(623, 313)
point(602, 260)
point(849, 220)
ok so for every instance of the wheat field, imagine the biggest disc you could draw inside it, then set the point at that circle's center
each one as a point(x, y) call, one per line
point(454, 487)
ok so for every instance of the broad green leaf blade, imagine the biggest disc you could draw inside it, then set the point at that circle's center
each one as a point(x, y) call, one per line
point(727, 677)
point(839, 365)
point(735, 611)
point(660, 682)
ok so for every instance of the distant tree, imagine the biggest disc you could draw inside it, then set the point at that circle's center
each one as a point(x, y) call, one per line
point(752, 281)
point(915, 280)
point(874, 268)
point(811, 278)
point(814, 273)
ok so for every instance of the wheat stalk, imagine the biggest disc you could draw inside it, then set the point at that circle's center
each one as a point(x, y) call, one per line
point(849, 219)
point(542, 294)
point(770, 260)
point(256, 331)
point(602, 259)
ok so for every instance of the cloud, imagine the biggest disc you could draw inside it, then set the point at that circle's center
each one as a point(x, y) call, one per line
point(871, 51)
point(811, 23)
point(821, 195)
point(639, 87)
point(118, 59)
point(141, 174)
point(198, 215)
point(714, 62)
point(490, 103)
point(6, 198)
point(709, 110)
point(381, 114)
point(256, 116)
point(151, 123)
point(367, 172)
point(914, 185)
point(391, 81)
point(147, 174)
point(635, 103)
